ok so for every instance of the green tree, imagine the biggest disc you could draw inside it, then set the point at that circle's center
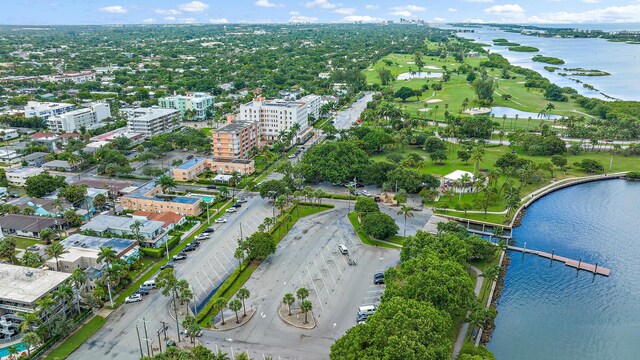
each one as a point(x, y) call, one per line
point(406, 211)
point(191, 327)
point(491, 273)
point(43, 184)
point(404, 93)
point(306, 307)
point(365, 205)
point(235, 305)
point(46, 235)
point(302, 293)
point(30, 339)
point(243, 294)
point(220, 303)
point(56, 250)
point(258, 246)
point(31, 259)
point(8, 249)
point(135, 228)
point(379, 225)
point(289, 300)
point(99, 201)
point(75, 194)
point(166, 183)
point(559, 161)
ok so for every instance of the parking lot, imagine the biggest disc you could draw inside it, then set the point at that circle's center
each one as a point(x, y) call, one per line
point(309, 257)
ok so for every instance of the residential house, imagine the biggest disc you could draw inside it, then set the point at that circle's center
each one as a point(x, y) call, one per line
point(169, 218)
point(29, 225)
point(43, 206)
point(35, 159)
point(151, 232)
point(18, 177)
point(83, 251)
point(59, 165)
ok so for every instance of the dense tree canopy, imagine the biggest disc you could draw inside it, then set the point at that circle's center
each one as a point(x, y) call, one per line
point(335, 162)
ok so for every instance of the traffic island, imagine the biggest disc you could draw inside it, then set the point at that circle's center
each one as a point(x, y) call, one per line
point(297, 318)
point(230, 322)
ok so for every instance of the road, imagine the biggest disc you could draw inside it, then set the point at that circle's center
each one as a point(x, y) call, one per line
point(204, 268)
point(344, 119)
point(308, 257)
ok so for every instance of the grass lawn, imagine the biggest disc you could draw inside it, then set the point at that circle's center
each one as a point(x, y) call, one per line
point(75, 340)
point(353, 218)
point(23, 243)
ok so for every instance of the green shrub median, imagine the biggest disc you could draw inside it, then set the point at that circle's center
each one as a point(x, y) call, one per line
point(74, 341)
point(366, 239)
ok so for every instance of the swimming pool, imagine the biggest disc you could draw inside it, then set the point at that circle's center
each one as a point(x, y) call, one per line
point(5, 350)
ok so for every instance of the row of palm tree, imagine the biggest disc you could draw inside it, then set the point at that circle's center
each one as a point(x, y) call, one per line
point(234, 305)
point(305, 305)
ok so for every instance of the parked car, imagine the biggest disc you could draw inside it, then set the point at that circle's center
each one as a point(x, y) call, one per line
point(195, 243)
point(179, 256)
point(185, 333)
point(237, 205)
point(378, 279)
point(33, 248)
point(366, 193)
point(292, 156)
point(362, 318)
point(133, 298)
point(231, 210)
point(343, 249)
point(203, 236)
point(168, 265)
point(189, 248)
point(170, 343)
point(354, 184)
point(142, 291)
point(208, 231)
point(211, 187)
point(189, 157)
point(242, 200)
point(221, 221)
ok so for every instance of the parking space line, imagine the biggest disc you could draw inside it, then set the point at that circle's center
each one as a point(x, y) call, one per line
point(214, 270)
point(327, 265)
point(225, 256)
point(316, 289)
point(335, 247)
point(205, 275)
point(322, 278)
point(195, 277)
point(222, 266)
point(335, 262)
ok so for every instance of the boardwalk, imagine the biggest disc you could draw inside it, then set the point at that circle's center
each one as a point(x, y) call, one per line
point(580, 265)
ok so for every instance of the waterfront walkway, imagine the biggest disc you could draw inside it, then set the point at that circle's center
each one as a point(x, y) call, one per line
point(578, 264)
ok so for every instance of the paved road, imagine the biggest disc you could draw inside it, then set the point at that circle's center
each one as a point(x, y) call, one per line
point(345, 118)
point(308, 256)
point(204, 268)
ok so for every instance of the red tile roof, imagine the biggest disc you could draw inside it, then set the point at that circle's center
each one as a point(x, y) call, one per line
point(167, 218)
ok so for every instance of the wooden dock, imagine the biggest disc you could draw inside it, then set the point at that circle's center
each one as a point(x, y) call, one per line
point(577, 264)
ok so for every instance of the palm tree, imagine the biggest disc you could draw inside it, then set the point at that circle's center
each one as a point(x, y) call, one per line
point(29, 319)
point(166, 183)
point(8, 249)
point(184, 292)
point(406, 211)
point(492, 273)
point(78, 278)
point(27, 211)
point(234, 181)
point(464, 180)
point(44, 305)
point(302, 293)
point(477, 156)
point(243, 294)
point(289, 300)
point(135, 227)
point(65, 293)
point(239, 255)
point(221, 303)
point(235, 305)
point(56, 250)
point(46, 235)
point(498, 232)
point(306, 307)
point(13, 351)
point(30, 339)
point(107, 255)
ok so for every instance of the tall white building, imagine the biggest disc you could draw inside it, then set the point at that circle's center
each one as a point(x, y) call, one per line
point(274, 116)
point(76, 77)
point(45, 110)
point(89, 118)
point(153, 121)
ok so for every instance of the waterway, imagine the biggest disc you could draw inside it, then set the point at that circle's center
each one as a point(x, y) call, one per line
point(550, 311)
point(621, 60)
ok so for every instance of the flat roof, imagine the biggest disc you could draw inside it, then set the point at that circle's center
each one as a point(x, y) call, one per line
point(57, 163)
point(102, 223)
point(35, 155)
point(26, 285)
point(26, 170)
point(94, 243)
point(141, 192)
point(234, 126)
point(189, 164)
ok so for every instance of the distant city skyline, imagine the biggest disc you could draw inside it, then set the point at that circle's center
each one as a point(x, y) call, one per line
point(76, 12)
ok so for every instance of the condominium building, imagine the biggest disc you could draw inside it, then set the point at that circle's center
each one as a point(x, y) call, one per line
point(275, 116)
point(153, 121)
point(18, 177)
point(192, 106)
point(8, 134)
point(22, 287)
point(235, 140)
point(149, 197)
point(76, 77)
point(151, 233)
point(83, 252)
point(45, 110)
point(88, 118)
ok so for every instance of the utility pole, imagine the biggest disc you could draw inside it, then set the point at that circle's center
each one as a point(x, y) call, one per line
point(139, 342)
point(159, 342)
point(146, 336)
point(241, 231)
point(175, 309)
point(164, 329)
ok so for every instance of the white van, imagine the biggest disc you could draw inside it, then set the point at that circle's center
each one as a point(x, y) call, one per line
point(343, 249)
point(148, 285)
point(366, 310)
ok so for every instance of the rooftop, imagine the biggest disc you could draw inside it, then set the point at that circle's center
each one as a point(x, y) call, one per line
point(111, 185)
point(189, 164)
point(28, 222)
point(26, 171)
point(235, 126)
point(94, 243)
point(141, 193)
point(26, 285)
point(146, 114)
point(57, 163)
point(35, 155)
point(103, 223)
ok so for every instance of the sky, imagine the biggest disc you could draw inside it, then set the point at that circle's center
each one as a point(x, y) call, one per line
point(71, 12)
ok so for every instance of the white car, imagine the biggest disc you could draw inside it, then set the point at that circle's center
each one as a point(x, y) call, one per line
point(202, 236)
point(221, 221)
point(231, 210)
point(133, 298)
point(366, 193)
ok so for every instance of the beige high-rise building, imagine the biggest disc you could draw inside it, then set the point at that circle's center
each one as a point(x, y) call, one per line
point(235, 140)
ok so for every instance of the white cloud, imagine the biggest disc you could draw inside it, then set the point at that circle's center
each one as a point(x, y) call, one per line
point(322, 4)
point(194, 6)
point(115, 9)
point(611, 14)
point(438, 19)
point(170, 18)
point(297, 18)
point(505, 9)
point(149, 20)
point(265, 3)
point(188, 20)
point(345, 11)
point(452, 9)
point(372, 7)
point(591, 1)
point(478, 1)
point(219, 21)
point(362, 18)
point(168, 12)
point(406, 10)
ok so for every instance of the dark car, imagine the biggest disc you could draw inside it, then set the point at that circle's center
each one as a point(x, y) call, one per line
point(362, 318)
point(189, 248)
point(378, 280)
point(142, 291)
point(377, 275)
point(211, 187)
point(15, 196)
point(237, 205)
point(168, 265)
point(208, 231)
point(195, 243)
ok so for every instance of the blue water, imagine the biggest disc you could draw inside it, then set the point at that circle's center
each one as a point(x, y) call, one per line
point(552, 311)
point(5, 350)
point(499, 111)
point(621, 60)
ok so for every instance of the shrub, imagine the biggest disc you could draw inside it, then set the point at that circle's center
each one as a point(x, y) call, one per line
point(379, 225)
point(365, 205)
